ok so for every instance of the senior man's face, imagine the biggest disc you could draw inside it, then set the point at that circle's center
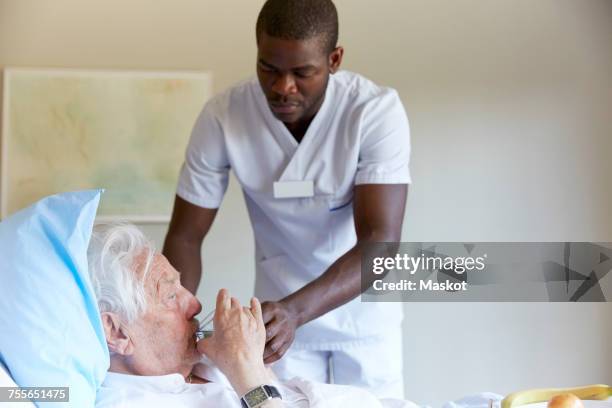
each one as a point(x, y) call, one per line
point(162, 340)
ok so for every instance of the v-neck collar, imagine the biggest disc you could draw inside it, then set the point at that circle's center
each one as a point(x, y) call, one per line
point(283, 136)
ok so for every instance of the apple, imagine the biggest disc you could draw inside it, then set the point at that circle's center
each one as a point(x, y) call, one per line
point(566, 400)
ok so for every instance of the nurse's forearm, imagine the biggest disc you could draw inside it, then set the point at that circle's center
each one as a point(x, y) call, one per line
point(186, 258)
point(378, 212)
point(188, 227)
point(340, 284)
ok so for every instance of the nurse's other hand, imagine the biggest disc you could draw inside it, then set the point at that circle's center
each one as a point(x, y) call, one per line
point(281, 324)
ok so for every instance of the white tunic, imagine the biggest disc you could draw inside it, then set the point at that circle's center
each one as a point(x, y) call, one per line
point(359, 136)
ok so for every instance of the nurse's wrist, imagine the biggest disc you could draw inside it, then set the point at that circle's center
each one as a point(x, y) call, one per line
point(298, 313)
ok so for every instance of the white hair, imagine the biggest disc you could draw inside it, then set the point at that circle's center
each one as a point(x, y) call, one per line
point(113, 256)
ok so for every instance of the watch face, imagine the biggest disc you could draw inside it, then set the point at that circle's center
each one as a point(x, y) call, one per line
point(257, 396)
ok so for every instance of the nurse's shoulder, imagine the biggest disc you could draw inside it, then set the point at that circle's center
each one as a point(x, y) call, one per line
point(364, 104)
point(233, 100)
point(357, 90)
point(238, 110)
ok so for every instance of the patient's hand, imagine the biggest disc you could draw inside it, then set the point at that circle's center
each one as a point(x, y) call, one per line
point(237, 343)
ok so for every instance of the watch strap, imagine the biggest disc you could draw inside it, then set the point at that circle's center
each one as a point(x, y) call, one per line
point(271, 392)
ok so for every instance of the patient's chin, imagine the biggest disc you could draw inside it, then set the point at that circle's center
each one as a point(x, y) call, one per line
point(192, 349)
point(193, 360)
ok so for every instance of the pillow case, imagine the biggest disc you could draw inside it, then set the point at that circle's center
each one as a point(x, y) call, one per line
point(50, 328)
point(7, 381)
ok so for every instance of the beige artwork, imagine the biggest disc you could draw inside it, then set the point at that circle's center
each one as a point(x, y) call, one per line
point(123, 131)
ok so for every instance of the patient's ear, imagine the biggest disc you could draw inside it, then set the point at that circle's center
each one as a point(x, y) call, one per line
point(117, 339)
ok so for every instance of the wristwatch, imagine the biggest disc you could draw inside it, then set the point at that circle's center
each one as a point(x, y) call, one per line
point(259, 395)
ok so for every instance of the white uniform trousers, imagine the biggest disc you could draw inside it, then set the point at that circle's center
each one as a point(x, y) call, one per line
point(374, 364)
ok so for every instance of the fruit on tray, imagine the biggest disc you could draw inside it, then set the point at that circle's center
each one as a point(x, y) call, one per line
point(587, 392)
point(567, 400)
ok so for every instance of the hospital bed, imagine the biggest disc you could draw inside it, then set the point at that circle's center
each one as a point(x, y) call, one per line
point(483, 400)
point(56, 231)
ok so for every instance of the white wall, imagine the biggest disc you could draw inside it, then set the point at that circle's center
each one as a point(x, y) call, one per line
point(510, 106)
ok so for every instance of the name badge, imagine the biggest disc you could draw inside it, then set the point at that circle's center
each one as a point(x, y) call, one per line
point(293, 189)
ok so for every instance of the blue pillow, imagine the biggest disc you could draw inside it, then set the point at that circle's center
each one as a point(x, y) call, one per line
point(50, 328)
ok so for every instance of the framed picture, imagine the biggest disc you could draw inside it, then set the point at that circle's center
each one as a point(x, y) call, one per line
point(124, 131)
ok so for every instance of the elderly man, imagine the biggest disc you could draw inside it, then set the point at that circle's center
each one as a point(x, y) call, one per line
point(155, 358)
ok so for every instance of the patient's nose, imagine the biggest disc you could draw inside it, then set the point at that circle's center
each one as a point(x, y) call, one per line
point(193, 307)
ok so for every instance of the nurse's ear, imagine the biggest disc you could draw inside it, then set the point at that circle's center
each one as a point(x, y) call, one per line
point(117, 338)
point(335, 59)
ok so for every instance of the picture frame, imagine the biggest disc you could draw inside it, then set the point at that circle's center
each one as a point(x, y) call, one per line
point(125, 131)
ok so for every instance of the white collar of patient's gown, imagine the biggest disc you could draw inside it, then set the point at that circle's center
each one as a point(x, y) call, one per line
point(171, 383)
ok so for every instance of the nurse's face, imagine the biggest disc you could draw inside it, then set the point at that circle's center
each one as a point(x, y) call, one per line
point(293, 75)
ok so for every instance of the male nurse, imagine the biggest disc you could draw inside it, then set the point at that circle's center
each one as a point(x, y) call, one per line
point(322, 157)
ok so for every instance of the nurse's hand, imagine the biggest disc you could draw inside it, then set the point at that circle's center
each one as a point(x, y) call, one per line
point(281, 324)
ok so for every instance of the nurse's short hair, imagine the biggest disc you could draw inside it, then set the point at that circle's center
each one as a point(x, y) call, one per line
point(299, 20)
point(115, 252)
